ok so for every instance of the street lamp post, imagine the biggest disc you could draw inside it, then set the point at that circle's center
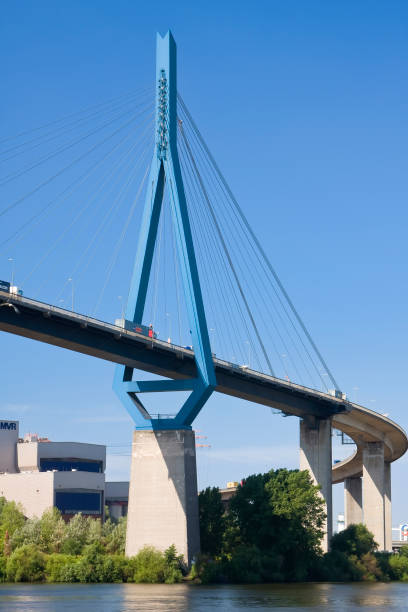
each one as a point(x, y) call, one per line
point(13, 262)
point(168, 315)
point(120, 298)
point(71, 280)
point(212, 339)
point(249, 352)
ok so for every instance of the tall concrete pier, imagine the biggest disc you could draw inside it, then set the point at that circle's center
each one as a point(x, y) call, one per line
point(316, 457)
point(353, 500)
point(377, 494)
point(163, 498)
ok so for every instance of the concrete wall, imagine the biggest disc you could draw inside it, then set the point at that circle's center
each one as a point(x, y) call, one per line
point(27, 456)
point(163, 500)
point(118, 490)
point(316, 457)
point(34, 491)
point(30, 453)
point(88, 481)
point(8, 442)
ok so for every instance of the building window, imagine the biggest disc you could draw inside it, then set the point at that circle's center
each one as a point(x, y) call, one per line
point(71, 502)
point(67, 465)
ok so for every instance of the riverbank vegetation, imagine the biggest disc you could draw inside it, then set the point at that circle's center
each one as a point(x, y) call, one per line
point(270, 532)
point(81, 550)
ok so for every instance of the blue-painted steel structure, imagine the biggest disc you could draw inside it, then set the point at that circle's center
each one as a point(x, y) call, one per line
point(165, 170)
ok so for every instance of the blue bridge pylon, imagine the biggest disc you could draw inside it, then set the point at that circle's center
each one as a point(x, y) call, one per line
point(165, 169)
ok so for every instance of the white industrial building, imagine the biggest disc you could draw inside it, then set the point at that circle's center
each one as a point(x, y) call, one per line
point(39, 474)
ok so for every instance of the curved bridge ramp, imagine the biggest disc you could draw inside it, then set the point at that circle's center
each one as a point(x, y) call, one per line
point(367, 472)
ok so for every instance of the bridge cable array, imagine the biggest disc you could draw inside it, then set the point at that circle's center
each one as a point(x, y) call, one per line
point(73, 191)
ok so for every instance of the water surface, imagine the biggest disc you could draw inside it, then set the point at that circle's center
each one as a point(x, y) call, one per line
point(183, 597)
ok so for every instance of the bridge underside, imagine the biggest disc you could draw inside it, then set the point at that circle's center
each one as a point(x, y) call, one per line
point(83, 335)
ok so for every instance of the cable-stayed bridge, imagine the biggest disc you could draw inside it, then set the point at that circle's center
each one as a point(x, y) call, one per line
point(206, 310)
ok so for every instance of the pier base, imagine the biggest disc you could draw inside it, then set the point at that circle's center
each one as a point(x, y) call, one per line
point(163, 499)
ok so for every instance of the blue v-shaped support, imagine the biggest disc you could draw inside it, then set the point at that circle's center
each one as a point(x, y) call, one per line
point(165, 166)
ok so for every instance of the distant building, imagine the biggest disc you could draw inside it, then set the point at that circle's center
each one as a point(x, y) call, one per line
point(228, 493)
point(116, 498)
point(341, 524)
point(70, 476)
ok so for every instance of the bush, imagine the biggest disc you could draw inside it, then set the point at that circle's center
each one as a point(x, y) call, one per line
point(399, 566)
point(76, 535)
point(148, 566)
point(91, 565)
point(69, 571)
point(56, 567)
point(3, 568)
point(152, 566)
point(355, 540)
point(172, 571)
point(114, 535)
point(26, 564)
point(352, 557)
point(114, 569)
point(47, 532)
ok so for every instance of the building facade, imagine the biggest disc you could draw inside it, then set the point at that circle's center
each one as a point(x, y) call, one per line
point(40, 474)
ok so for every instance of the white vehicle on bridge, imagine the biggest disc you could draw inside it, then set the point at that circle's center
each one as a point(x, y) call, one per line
point(8, 288)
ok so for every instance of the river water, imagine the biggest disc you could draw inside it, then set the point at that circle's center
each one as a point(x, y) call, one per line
point(183, 598)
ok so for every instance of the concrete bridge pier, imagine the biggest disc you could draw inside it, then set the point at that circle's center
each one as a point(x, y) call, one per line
point(316, 457)
point(353, 500)
point(163, 499)
point(377, 494)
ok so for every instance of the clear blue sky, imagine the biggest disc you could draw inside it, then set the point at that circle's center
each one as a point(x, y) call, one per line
point(304, 106)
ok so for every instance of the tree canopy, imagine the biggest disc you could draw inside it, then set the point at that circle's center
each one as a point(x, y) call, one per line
point(272, 530)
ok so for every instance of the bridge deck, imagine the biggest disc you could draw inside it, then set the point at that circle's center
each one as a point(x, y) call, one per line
point(39, 321)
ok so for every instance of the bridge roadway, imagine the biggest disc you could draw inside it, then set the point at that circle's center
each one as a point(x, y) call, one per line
point(50, 324)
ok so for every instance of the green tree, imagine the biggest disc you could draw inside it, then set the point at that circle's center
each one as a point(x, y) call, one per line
point(352, 556)
point(173, 565)
point(94, 533)
point(399, 566)
point(281, 514)
point(212, 522)
point(76, 535)
point(28, 533)
point(11, 518)
point(114, 535)
point(7, 545)
point(355, 540)
point(47, 532)
point(52, 531)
